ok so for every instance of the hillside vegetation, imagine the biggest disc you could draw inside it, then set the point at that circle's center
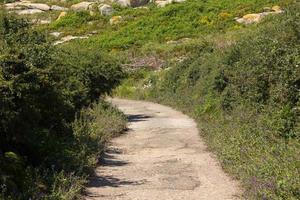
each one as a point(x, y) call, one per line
point(241, 83)
point(245, 95)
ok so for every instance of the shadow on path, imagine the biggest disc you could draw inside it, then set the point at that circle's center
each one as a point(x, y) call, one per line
point(138, 117)
point(109, 159)
point(102, 181)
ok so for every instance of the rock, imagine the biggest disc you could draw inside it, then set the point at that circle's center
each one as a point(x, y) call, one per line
point(250, 18)
point(124, 3)
point(266, 13)
point(132, 3)
point(172, 42)
point(61, 15)
point(277, 9)
point(27, 4)
point(82, 6)
point(13, 6)
point(29, 11)
point(115, 20)
point(142, 7)
point(178, 1)
point(40, 6)
point(138, 3)
point(55, 34)
point(106, 9)
point(59, 8)
point(267, 9)
point(44, 21)
point(257, 17)
point(162, 4)
point(69, 38)
point(240, 20)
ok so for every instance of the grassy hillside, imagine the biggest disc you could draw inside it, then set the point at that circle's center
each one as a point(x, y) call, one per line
point(140, 26)
point(165, 34)
point(245, 95)
point(191, 19)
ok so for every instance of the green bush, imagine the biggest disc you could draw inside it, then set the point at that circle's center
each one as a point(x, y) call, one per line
point(42, 89)
point(73, 19)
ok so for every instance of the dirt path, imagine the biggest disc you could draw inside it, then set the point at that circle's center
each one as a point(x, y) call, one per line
point(162, 157)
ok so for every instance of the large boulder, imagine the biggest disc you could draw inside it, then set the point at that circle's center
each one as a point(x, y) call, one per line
point(26, 4)
point(124, 3)
point(59, 8)
point(29, 11)
point(178, 1)
point(162, 4)
point(138, 3)
point(131, 3)
point(40, 6)
point(12, 6)
point(106, 9)
point(85, 5)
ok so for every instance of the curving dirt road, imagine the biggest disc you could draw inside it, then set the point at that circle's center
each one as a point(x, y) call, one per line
point(162, 157)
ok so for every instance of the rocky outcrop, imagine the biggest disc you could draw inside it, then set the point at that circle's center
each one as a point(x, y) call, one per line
point(28, 11)
point(26, 5)
point(131, 3)
point(58, 8)
point(55, 34)
point(106, 9)
point(163, 3)
point(123, 3)
point(257, 17)
point(138, 3)
point(40, 6)
point(85, 5)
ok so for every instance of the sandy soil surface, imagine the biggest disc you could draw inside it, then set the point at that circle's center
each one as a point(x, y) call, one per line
point(162, 157)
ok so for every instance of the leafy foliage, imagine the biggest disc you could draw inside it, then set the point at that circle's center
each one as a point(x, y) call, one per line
point(42, 88)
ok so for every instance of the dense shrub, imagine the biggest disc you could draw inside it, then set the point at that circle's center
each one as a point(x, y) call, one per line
point(42, 88)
